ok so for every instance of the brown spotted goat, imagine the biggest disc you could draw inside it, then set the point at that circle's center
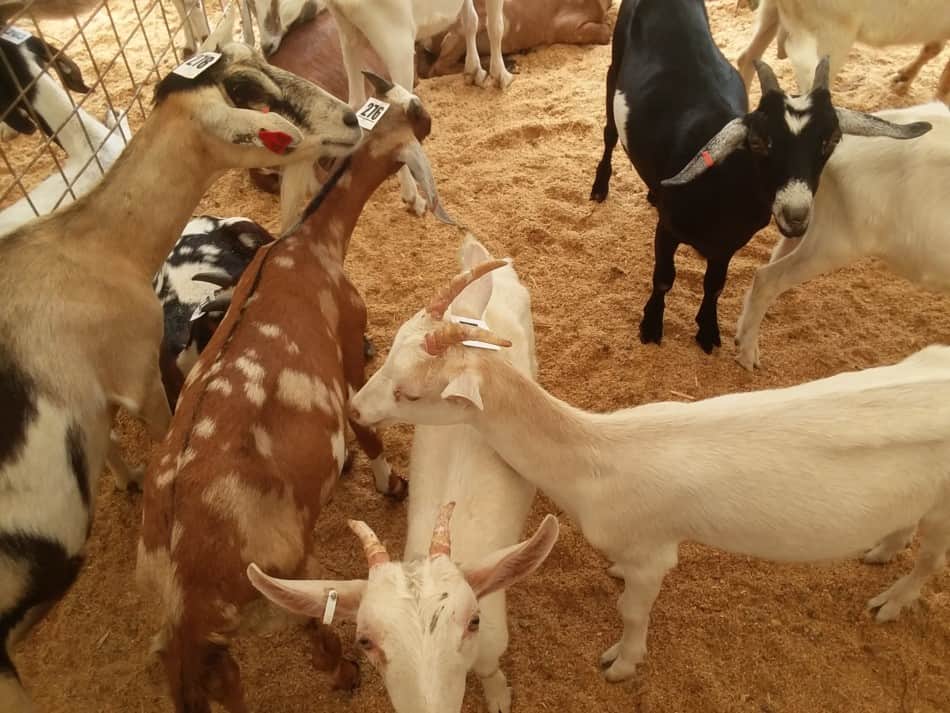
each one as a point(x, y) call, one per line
point(257, 442)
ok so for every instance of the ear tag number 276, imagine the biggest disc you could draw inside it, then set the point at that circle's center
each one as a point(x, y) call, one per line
point(371, 112)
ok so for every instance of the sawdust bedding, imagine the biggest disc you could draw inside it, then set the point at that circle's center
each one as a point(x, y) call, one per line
point(727, 633)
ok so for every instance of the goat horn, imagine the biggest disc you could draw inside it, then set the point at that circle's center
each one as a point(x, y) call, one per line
point(441, 534)
point(441, 301)
point(437, 342)
point(374, 549)
point(214, 279)
point(379, 84)
point(767, 79)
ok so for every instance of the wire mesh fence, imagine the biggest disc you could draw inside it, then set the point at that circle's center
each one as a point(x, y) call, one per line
point(81, 85)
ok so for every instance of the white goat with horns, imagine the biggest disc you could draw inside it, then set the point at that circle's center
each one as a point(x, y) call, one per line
point(418, 622)
point(814, 472)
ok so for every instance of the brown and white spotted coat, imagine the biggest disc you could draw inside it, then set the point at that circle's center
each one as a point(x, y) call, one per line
point(257, 440)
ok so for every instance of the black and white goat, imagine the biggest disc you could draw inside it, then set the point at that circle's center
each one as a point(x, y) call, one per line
point(211, 254)
point(675, 101)
point(24, 74)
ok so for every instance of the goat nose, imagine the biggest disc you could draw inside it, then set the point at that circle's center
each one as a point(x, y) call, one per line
point(349, 118)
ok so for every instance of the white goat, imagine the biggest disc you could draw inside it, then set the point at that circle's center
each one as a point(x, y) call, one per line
point(404, 610)
point(814, 472)
point(815, 28)
point(392, 27)
point(91, 148)
point(88, 342)
point(876, 199)
point(453, 464)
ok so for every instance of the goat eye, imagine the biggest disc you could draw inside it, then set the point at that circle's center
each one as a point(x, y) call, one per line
point(365, 643)
point(473, 623)
point(410, 398)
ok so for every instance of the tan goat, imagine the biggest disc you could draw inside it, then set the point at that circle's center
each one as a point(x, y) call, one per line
point(529, 24)
point(257, 441)
point(80, 325)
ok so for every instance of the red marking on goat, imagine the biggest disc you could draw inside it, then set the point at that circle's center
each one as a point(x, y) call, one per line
point(707, 159)
point(276, 141)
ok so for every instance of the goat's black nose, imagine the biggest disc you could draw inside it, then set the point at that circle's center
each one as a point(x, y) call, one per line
point(349, 118)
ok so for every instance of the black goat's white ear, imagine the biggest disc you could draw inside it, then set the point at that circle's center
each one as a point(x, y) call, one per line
point(719, 147)
point(858, 123)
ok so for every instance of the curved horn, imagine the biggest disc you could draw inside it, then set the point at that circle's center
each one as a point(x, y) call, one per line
point(374, 550)
point(729, 138)
point(440, 340)
point(822, 74)
point(858, 123)
point(220, 303)
point(441, 534)
point(213, 278)
point(767, 80)
point(441, 301)
point(379, 84)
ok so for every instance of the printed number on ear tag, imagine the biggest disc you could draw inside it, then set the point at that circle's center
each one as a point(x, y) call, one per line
point(371, 112)
point(15, 36)
point(196, 64)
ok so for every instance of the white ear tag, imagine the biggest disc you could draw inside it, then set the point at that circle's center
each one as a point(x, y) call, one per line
point(469, 321)
point(15, 36)
point(330, 608)
point(472, 322)
point(196, 64)
point(371, 112)
point(200, 309)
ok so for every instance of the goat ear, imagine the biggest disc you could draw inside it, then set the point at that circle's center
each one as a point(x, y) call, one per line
point(503, 568)
point(308, 597)
point(858, 123)
point(718, 149)
point(466, 388)
point(69, 73)
point(254, 128)
point(473, 301)
point(222, 35)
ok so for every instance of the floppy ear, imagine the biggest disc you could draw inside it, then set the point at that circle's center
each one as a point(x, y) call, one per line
point(415, 160)
point(308, 597)
point(503, 568)
point(247, 126)
point(222, 35)
point(466, 388)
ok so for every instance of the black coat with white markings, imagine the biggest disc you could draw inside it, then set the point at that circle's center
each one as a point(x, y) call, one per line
point(222, 247)
point(677, 102)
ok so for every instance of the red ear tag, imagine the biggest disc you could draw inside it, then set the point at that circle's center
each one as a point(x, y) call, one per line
point(707, 159)
point(276, 141)
point(265, 110)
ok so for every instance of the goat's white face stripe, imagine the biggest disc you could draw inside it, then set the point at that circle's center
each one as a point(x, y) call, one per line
point(797, 113)
point(621, 112)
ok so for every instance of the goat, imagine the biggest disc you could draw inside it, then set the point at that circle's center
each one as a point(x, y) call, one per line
point(310, 50)
point(814, 28)
point(24, 77)
point(96, 259)
point(276, 19)
point(454, 464)
point(676, 101)
point(271, 388)
point(846, 463)
point(876, 199)
point(528, 24)
point(211, 253)
point(392, 27)
point(425, 602)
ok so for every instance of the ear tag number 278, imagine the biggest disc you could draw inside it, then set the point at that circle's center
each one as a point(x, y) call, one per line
point(371, 112)
point(195, 65)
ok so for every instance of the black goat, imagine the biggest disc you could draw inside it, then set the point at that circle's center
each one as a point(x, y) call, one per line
point(678, 102)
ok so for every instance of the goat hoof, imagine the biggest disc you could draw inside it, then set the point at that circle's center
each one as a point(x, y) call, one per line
point(708, 340)
point(398, 487)
point(502, 80)
point(477, 77)
point(416, 205)
point(599, 191)
point(620, 671)
point(610, 655)
point(651, 331)
point(900, 83)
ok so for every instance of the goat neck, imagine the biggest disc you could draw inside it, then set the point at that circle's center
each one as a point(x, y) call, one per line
point(156, 183)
